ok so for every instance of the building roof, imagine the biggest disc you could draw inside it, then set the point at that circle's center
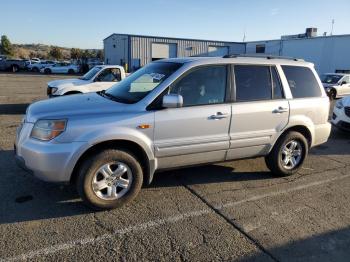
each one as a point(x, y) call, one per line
point(173, 38)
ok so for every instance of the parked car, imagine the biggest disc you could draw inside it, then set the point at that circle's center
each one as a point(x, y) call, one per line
point(336, 85)
point(341, 114)
point(60, 68)
point(174, 113)
point(97, 79)
point(35, 67)
point(13, 65)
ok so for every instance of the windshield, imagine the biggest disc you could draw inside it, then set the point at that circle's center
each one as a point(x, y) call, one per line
point(330, 79)
point(136, 86)
point(93, 71)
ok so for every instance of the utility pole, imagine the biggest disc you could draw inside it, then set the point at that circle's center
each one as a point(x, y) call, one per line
point(244, 35)
point(332, 26)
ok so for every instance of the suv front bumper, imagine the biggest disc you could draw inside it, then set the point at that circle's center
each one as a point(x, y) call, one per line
point(340, 119)
point(48, 161)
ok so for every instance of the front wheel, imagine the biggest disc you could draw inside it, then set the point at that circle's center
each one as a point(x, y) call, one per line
point(109, 179)
point(71, 71)
point(288, 154)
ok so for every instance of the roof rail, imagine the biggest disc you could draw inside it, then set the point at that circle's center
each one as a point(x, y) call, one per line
point(262, 56)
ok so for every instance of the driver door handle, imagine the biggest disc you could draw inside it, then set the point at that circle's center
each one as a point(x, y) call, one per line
point(219, 115)
point(280, 110)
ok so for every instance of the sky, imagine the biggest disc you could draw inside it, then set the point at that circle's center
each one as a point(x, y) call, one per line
point(85, 23)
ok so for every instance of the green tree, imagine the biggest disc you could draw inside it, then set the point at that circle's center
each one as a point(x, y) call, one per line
point(75, 53)
point(86, 54)
point(56, 52)
point(6, 46)
point(99, 54)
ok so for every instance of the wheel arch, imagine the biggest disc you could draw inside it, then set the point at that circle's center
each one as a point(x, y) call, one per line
point(302, 129)
point(128, 145)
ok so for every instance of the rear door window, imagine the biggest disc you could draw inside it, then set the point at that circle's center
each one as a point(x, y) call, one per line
point(302, 81)
point(253, 83)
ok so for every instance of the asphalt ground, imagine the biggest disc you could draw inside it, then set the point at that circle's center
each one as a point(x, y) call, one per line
point(235, 211)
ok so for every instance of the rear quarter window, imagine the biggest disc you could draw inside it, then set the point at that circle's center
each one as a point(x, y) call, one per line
point(302, 82)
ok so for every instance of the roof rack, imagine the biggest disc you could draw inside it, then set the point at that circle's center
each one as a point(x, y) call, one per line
point(262, 56)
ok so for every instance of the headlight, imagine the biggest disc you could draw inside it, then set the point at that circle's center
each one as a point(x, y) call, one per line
point(48, 129)
point(53, 90)
point(339, 104)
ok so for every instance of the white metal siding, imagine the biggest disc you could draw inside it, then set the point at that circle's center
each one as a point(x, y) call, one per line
point(116, 49)
point(327, 53)
point(141, 47)
point(217, 50)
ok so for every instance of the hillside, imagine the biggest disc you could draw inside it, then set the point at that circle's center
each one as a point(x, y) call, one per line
point(42, 51)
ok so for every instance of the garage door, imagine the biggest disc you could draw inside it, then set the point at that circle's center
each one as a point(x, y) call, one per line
point(160, 51)
point(217, 50)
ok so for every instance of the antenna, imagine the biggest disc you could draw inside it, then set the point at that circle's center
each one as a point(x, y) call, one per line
point(332, 26)
point(244, 35)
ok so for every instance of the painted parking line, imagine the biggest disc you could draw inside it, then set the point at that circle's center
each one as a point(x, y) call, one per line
point(156, 223)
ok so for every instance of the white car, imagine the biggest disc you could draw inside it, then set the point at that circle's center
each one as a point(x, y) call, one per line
point(35, 67)
point(336, 85)
point(341, 114)
point(97, 79)
point(60, 68)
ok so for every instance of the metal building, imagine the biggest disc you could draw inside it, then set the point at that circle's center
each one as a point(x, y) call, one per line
point(134, 51)
point(330, 54)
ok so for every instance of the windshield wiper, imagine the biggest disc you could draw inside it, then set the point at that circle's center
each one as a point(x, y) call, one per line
point(113, 98)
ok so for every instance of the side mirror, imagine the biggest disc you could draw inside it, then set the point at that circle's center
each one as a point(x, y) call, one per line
point(343, 83)
point(172, 101)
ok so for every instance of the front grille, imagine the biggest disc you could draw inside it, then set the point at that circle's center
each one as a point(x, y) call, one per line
point(347, 111)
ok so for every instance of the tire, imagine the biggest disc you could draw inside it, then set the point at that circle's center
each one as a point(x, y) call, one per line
point(71, 71)
point(47, 71)
point(35, 69)
point(14, 68)
point(333, 94)
point(92, 172)
point(274, 161)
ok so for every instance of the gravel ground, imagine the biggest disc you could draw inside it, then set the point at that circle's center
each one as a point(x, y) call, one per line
point(235, 211)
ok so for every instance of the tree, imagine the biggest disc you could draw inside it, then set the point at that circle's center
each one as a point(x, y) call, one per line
point(86, 54)
point(56, 52)
point(75, 53)
point(6, 46)
point(99, 54)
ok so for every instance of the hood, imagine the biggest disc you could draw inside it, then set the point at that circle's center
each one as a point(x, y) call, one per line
point(325, 85)
point(72, 105)
point(67, 83)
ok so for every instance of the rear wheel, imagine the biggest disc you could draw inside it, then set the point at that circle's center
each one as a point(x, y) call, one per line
point(109, 179)
point(35, 69)
point(288, 154)
point(71, 71)
point(47, 71)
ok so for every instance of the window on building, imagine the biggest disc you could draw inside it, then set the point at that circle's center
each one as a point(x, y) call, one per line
point(302, 81)
point(202, 86)
point(252, 83)
point(260, 49)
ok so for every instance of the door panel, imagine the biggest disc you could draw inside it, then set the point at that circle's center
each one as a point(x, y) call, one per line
point(255, 125)
point(260, 112)
point(191, 130)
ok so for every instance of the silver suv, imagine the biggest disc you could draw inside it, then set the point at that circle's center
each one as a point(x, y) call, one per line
point(174, 113)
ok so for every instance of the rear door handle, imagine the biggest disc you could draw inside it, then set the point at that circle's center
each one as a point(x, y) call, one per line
point(280, 110)
point(219, 115)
